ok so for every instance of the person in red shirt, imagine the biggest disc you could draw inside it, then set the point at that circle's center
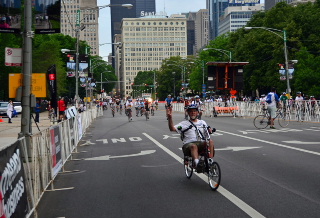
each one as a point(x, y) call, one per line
point(62, 107)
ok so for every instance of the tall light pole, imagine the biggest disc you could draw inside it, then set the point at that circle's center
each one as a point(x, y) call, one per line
point(183, 69)
point(284, 37)
point(222, 51)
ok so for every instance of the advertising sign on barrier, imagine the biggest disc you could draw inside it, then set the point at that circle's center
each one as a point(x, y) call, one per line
point(56, 149)
point(13, 191)
point(71, 112)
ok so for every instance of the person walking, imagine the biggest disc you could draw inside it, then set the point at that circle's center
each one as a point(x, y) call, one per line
point(37, 111)
point(10, 110)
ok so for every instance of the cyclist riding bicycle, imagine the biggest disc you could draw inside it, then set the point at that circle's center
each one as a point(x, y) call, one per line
point(168, 101)
point(129, 106)
point(146, 106)
point(192, 133)
point(199, 105)
point(168, 104)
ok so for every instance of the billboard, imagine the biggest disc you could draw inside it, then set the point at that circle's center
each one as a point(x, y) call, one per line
point(46, 19)
point(243, 2)
point(10, 16)
point(39, 87)
point(83, 65)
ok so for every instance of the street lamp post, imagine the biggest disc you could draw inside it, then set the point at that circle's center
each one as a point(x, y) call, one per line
point(222, 51)
point(284, 37)
point(183, 74)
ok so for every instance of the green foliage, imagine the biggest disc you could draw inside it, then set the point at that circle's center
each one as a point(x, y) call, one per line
point(104, 72)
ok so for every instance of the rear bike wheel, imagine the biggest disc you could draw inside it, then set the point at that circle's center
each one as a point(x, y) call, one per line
point(214, 176)
point(284, 119)
point(261, 122)
point(188, 169)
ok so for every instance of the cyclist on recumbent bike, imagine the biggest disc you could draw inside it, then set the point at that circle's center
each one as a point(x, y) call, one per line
point(193, 136)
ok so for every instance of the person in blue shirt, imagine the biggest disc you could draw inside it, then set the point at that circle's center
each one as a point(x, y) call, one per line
point(37, 111)
point(168, 104)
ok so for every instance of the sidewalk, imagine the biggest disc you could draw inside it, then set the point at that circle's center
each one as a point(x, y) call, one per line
point(9, 131)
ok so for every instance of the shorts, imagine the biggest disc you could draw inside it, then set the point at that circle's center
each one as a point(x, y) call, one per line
point(202, 145)
point(272, 111)
point(61, 112)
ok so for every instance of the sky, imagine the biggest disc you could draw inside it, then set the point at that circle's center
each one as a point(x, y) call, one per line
point(169, 6)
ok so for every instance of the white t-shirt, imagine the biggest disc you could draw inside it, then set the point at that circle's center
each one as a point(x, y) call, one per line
point(129, 104)
point(191, 135)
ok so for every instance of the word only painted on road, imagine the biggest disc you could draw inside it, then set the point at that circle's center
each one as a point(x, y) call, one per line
point(116, 140)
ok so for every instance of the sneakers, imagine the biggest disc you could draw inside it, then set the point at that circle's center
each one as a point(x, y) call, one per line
point(272, 127)
point(200, 166)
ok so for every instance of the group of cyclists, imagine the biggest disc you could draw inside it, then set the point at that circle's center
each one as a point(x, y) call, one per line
point(187, 101)
point(141, 105)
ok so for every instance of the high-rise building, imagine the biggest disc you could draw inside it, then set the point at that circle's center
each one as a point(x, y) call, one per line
point(146, 42)
point(139, 9)
point(87, 10)
point(202, 29)
point(191, 32)
point(216, 9)
point(237, 17)
point(271, 3)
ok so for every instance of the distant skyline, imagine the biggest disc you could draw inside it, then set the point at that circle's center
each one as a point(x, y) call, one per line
point(168, 6)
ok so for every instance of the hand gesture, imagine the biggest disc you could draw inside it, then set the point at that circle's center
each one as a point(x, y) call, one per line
point(169, 113)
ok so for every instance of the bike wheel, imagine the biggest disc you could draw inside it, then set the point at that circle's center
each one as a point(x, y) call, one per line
point(284, 120)
point(188, 169)
point(214, 176)
point(261, 122)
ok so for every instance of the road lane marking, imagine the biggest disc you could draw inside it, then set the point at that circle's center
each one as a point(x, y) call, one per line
point(235, 148)
point(108, 157)
point(301, 143)
point(272, 143)
point(231, 197)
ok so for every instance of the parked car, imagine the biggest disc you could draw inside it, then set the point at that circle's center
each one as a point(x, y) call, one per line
point(4, 105)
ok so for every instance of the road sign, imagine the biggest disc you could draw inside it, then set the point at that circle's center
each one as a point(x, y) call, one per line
point(39, 84)
point(13, 57)
point(78, 18)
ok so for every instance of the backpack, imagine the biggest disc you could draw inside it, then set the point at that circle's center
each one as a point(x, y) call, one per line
point(269, 98)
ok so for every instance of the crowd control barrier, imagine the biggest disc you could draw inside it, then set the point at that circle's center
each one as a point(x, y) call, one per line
point(28, 173)
point(306, 110)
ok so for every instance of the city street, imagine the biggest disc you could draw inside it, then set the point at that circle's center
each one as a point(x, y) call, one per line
point(134, 169)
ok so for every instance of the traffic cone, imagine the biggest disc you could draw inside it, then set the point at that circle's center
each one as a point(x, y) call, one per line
point(1, 120)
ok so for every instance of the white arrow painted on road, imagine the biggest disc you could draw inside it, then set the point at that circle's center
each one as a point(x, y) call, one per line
point(302, 143)
point(87, 143)
point(108, 157)
point(235, 148)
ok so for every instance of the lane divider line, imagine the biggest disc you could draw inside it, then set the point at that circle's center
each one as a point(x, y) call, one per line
point(231, 197)
point(272, 143)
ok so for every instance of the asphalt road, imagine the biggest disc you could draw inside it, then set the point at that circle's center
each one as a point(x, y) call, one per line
point(134, 169)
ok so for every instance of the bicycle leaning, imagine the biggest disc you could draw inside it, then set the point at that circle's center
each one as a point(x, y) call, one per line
point(262, 121)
